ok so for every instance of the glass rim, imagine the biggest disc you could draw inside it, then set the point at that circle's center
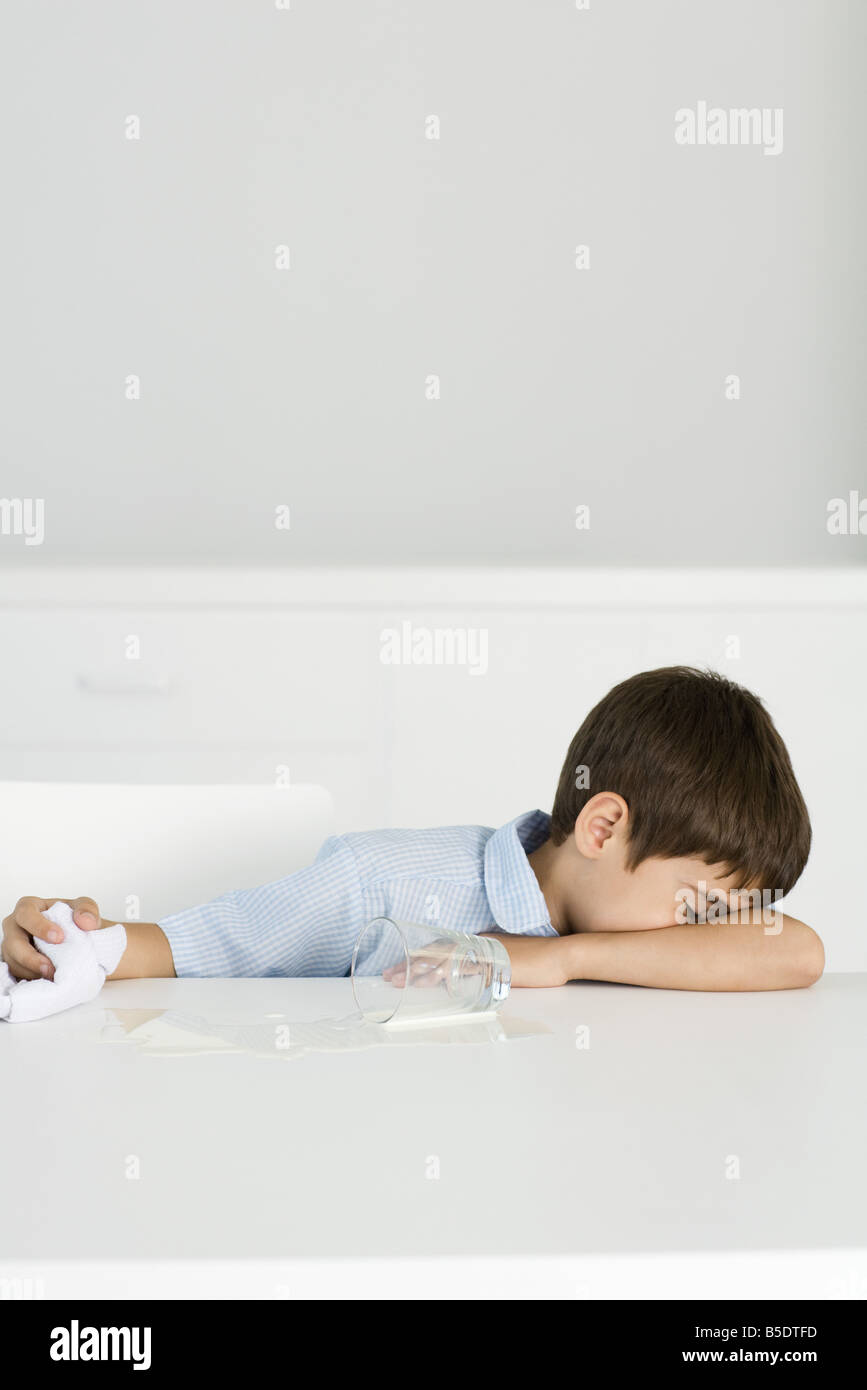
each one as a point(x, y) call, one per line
point(359, 939)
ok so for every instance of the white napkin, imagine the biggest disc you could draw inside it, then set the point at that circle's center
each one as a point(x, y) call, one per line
point(81, 962)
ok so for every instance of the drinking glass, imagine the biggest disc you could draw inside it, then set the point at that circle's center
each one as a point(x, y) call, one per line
point(403, 971)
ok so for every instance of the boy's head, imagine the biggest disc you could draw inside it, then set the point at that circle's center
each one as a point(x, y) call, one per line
point(677, 775)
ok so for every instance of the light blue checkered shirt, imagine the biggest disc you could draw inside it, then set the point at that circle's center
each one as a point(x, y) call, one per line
point(466, 878)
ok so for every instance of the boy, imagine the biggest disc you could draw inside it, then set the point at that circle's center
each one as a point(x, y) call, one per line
point(677, 797)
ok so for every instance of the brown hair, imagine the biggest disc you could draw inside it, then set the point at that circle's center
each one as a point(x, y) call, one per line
point(705, 775)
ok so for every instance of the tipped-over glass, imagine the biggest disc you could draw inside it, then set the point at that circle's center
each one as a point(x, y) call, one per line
point(404, 971)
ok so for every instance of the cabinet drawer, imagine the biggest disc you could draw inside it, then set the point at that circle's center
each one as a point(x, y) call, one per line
point(198, 677)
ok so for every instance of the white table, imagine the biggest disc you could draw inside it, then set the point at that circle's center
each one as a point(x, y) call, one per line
point(564, 1171)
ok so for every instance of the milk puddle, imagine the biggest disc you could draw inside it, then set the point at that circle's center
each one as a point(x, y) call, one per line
point(172, 1033)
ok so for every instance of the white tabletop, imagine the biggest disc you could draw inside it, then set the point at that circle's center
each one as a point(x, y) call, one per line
point(605, 1164)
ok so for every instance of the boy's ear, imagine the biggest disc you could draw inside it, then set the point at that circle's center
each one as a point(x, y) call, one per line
point(603, 818)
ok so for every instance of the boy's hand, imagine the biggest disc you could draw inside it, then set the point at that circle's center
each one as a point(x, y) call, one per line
point(26, 921)
point(428, 965)
point(537, 962)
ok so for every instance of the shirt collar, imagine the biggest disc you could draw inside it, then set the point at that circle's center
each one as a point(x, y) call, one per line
point(517, 902)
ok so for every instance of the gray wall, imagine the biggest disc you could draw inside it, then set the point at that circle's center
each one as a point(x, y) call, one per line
point(409, 256)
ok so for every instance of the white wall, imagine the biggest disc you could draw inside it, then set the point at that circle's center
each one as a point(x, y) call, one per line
point(305, 127)
point(243, 674)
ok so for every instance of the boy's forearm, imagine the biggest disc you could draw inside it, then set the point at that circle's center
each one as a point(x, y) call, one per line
point(706, 956)
point(147, 955)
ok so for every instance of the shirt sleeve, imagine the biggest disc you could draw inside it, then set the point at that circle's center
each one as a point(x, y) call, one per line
point(303, 924)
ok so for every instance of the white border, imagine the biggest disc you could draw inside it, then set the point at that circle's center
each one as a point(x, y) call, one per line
point(780, 1274)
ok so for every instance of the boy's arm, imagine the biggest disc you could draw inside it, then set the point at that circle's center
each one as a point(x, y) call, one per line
point(147, 953)
point(304, 923)
point(744, 955)
point(747, 955)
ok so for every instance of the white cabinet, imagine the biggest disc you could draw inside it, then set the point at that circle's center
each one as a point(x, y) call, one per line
point(236, 695)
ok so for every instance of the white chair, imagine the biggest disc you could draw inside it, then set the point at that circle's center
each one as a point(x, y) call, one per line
point(146, 851)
